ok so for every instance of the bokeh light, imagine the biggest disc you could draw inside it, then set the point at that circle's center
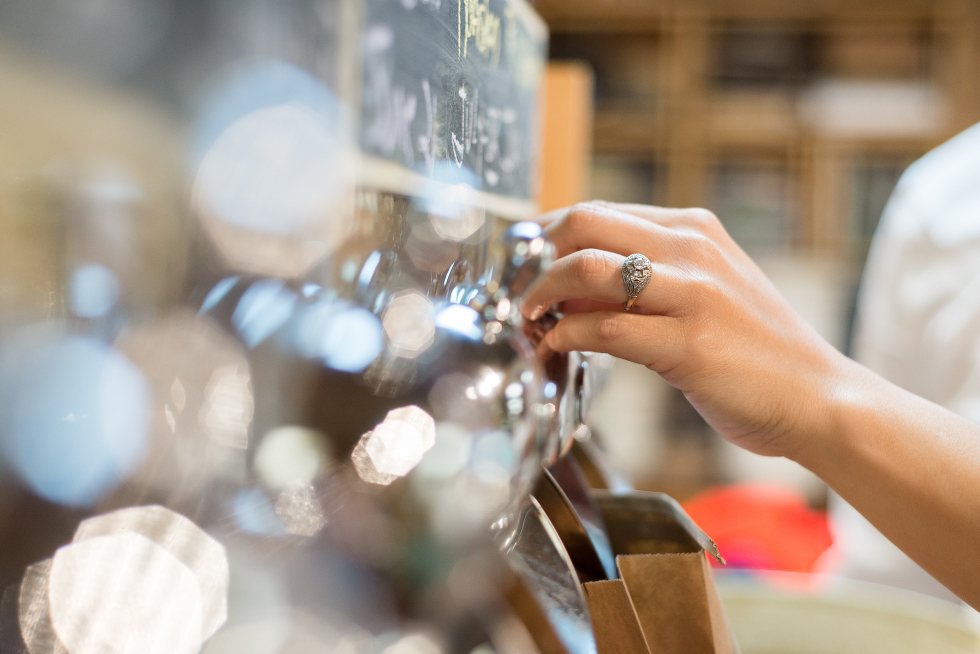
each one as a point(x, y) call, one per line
point(77, 418)
point(226, 413)
point(398, 443)
point(94, 290)
point(274, 186)
point(141, 579)
point(272, 171)
point(395, 446)
point(254, 512)
point(217, 293)
point(193, 547)
point(291, 454)
point(448, 456)
point(462, 320)
point(299, 510)
point(364, 464)
point(450, 199)
point(34, 611)
point(130, 391)
point(468, 504)
point(124, 593)
point(345, 337)
point(414, 644)
point(453, 397)
point(198, 421)
point(455, 212)
point(293, 632)
point(496, 447)
point(264, 307)
point(409, 324)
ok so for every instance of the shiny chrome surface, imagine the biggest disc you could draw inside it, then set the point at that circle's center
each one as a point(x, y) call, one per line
point(595, 465)
point(571, 480)
point(639, 522)
point(536, 553)
point(571, 529)
point(260, 393)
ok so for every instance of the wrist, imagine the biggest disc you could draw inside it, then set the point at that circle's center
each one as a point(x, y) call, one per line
point(843, 401)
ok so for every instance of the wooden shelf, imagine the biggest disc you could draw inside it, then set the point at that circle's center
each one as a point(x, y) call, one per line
point(642, 15)
point(750, 119)
point(628, 130)
point(672, 91)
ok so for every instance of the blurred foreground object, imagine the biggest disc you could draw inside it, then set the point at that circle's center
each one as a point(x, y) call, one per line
point(261, 383)
point(815, 614)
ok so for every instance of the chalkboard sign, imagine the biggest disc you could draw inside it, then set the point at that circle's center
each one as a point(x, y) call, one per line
point(449, 94)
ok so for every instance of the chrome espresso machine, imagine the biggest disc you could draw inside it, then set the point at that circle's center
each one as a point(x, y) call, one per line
point(264, 386)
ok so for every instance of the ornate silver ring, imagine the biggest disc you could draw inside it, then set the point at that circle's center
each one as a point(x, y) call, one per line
point(637, 272)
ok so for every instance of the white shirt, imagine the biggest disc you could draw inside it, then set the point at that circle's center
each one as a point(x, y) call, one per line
point(918, 322)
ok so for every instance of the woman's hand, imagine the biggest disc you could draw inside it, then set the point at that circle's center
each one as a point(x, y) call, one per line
point(712, 324)
point(709, 321)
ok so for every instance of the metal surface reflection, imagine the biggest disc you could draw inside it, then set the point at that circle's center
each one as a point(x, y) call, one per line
point(572, 481)
point(536, 554)
point(589, 562)
point(643, 523)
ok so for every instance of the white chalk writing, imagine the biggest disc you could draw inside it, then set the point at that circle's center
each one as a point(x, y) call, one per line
point(474, 20)
point(393, 107)
point(427, 141)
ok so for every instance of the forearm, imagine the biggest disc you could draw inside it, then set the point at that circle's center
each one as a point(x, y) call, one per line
point(714, 327)
point(909, 466)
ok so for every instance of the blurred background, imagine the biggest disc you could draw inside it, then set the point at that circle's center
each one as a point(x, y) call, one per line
point(792, 121)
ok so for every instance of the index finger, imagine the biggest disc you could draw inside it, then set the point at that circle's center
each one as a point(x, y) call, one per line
point(602, 227)
point(550, 217)
point(700, 220)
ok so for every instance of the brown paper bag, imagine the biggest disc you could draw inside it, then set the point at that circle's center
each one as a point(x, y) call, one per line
point(666, 590)
point(676, 603)
point(614, 622)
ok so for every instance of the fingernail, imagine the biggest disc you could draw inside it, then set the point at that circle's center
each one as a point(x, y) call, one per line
point(526, 311)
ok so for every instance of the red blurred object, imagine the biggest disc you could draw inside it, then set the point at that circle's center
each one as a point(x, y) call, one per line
point(761, 527)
